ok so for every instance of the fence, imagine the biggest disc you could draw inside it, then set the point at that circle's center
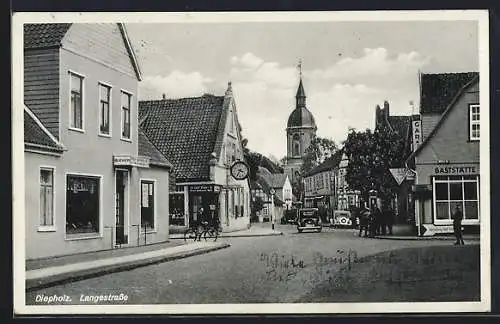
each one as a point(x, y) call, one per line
point(117, 240)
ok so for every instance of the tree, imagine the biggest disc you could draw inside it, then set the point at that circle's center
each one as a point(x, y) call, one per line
point(256, 205)
point(319, 149)
point(371, 154)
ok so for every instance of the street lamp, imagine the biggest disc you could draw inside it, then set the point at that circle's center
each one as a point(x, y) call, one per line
point(273, 219)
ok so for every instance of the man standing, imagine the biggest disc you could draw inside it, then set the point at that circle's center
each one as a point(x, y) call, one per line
point(457, 225)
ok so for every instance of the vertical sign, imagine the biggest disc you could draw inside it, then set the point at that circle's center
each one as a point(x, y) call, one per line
point(145, 195)
point(417, 134)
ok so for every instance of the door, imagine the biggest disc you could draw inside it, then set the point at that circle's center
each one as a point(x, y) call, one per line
point(120, 207)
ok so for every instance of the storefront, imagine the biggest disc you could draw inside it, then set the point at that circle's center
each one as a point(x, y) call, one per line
point(203, 203)
point(447, 161)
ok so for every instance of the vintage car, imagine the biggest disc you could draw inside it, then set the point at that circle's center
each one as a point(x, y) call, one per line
point(308, 219)
point(289, 217)
point(342, 218)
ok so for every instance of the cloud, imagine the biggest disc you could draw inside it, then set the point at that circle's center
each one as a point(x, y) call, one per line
point(341, 95)
point(176, 85)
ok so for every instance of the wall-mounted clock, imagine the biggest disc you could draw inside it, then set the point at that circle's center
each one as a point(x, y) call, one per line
point(239, 170)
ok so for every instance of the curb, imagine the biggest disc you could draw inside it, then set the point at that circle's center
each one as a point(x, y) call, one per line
point(424, 238)
point(35, 284)
point(235, 235)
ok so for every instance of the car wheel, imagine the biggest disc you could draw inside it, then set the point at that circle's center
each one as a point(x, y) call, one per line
point(299, 230)
point(319, 230)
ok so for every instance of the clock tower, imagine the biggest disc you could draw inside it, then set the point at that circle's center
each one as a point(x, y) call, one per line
point(300, 130)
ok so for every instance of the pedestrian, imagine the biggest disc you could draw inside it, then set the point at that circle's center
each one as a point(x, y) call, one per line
point(364, 220)
point(457, 225)
point(372, 223)
point(379, 222)
point(389, 220)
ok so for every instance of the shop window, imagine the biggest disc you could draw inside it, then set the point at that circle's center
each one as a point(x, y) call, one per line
point(82, 204)
point(104, 112)
point(452, 191)
point(176, 206)
point(147, 205)
point(76, 101)
point(474, 122)
point(47, 197)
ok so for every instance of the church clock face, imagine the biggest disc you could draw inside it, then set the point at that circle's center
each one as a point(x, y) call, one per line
point(239, 170)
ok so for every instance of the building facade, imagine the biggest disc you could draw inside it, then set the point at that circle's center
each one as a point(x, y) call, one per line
point(88, 187)
point(447, 161)
point(300, 130)
point(346, 197)
point(201, 137)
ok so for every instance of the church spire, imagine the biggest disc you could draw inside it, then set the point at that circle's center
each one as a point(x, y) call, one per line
point(301, 95)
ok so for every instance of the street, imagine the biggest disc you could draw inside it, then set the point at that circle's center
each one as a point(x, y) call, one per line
point(274, 269)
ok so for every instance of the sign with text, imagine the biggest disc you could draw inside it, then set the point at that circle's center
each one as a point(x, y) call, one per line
point(417, 134)
point(431, 229)
point(129, 160)
point(456, 169)
point(202, 188)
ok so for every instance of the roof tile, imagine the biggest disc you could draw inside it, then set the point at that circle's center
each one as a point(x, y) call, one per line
point(438, 90)
point(44, 35)
point(184, 131)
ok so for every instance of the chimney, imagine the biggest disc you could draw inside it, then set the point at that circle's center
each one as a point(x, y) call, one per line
point(164, 96)
point(386, 108)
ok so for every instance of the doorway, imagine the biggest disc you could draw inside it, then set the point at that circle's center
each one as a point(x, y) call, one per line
point(121, 181)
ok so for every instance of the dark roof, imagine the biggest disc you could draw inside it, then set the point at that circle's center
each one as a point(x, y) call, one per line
point(400, 124)
point(44, 35)
point(35, 134)
point(146, 148)
point(437, 90)
point(328, 164)
point(300, 90)
point(301, 117)
point(450, 106)
point(184, 131)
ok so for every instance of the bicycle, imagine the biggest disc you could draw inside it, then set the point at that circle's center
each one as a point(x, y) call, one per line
point(212, 231)
point(194, 233)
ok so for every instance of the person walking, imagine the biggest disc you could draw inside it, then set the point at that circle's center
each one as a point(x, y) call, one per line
point(457, 225)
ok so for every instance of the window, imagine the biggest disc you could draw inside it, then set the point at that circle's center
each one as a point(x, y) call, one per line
point(147, 205)
point(233, 152)
point(452, 190)
point(46, 197)
point(474, 122)
point(296, 145)
point(76, 101)
point(82, 204)
point(125, 115)
point(104, 103)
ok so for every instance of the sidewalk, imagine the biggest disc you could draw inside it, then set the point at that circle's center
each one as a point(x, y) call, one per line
point(54, 271)
point(257, 229)
point(427, 238)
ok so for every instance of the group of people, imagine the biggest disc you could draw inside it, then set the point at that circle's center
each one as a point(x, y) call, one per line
point(375, 222)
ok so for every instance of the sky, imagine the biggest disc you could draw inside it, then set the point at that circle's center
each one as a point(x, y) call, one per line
point(348, 68)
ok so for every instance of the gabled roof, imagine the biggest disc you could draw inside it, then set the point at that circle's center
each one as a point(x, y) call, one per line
point(328, 164)
point(146, 148)
point(37, 136)
point(400, 124)
point(47, 35)
point(441, 120)
point(437, 90)
point(277, 180)
point(184, 131)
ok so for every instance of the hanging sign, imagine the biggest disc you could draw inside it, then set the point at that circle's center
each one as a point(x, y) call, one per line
point(417, 134)
point(399, 174)
point(145, 195)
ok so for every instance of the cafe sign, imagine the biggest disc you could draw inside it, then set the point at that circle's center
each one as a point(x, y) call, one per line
point(417, 134)
point(130, 160)
point(456, 169)
point(204, 188)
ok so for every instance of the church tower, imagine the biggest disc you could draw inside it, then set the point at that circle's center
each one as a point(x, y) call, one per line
point(300, 130)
